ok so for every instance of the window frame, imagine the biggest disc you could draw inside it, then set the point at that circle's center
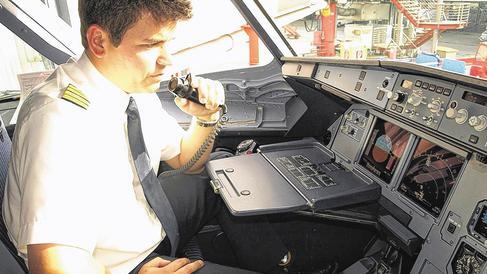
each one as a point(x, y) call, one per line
point(42, 22)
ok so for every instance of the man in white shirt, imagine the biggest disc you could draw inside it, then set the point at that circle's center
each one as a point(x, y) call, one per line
point(73, 202)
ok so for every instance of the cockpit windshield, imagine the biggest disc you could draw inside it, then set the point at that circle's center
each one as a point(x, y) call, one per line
point(447, 35)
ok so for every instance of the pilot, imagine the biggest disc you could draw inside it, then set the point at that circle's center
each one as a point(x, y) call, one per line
point(74, 202)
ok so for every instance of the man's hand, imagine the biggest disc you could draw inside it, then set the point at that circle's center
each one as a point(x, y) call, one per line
point(159, 265)
point(211, 94)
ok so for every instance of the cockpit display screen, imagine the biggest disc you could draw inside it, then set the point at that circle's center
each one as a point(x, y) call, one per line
point(481, 225)
point(474, 98)
point(430, 176)
point(384, 149)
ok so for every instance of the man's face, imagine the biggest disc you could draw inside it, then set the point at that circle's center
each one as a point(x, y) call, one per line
point(137, 64)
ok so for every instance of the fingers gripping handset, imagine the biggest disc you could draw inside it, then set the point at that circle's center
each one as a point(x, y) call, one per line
point(183, 88)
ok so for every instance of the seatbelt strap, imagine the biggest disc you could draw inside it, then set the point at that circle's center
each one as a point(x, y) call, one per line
point(153, 191)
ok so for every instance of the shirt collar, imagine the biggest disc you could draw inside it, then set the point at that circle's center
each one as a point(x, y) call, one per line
point(102, 90)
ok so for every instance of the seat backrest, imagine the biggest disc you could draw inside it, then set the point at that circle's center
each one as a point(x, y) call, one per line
point(10, 262)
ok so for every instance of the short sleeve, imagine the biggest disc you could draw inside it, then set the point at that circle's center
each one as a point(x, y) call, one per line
point(161, 131)
point(52, 161)
point(171, 140)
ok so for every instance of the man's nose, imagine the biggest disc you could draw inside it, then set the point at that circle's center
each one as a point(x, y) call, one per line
point(164, 58)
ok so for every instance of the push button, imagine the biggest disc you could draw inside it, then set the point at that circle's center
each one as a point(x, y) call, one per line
point(358, 86)
point(327, 74)
point(473, 139)
point(362, 75)
point(451, 228)
point(380, 95)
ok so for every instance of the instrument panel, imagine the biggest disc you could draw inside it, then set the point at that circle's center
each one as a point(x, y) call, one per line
point(466, 117)
point(420, 99)
point(370, 85)
point(421, 135)
point(448, 107)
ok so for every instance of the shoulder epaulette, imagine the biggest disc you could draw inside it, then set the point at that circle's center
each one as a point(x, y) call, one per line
point(74, 95)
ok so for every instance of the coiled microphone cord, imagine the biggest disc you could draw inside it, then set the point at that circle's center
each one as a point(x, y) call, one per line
point(204, 146)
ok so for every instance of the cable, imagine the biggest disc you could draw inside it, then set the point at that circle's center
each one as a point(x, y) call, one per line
point(204, 146)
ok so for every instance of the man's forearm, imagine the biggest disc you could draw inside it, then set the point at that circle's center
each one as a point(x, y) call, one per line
point(195, 136)
point(60, 259)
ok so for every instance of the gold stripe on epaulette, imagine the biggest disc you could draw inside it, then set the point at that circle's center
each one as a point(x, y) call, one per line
point(75, 96)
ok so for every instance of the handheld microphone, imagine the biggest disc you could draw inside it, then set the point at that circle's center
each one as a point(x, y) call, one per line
point(181, 87)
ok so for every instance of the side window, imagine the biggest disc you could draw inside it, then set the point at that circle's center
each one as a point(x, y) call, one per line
point(23, 67)
point(18, 59)
point(63, 11)
point(210, 43)
point(59, 18)
point(204, 44)
point(61, 7)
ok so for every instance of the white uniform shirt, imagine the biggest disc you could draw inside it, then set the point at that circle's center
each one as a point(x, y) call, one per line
point(71, 179)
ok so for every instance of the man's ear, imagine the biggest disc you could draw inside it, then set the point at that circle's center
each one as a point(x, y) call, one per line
point(98, 40)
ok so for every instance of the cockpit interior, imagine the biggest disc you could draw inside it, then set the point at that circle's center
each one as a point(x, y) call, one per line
point(362, 165)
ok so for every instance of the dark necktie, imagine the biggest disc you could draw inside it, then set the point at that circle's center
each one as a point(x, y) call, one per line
point(155, 195)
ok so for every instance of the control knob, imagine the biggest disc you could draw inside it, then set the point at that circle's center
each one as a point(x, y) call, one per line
point(427, 119)
point(246, 147)
point(348, 129)
point(435, 106)
point(460, 116)
point(415, 99)
point(479, 123)
point(451, 113)
point(396, 96)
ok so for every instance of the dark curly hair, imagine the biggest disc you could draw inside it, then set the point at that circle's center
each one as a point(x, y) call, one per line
point(117, 16)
